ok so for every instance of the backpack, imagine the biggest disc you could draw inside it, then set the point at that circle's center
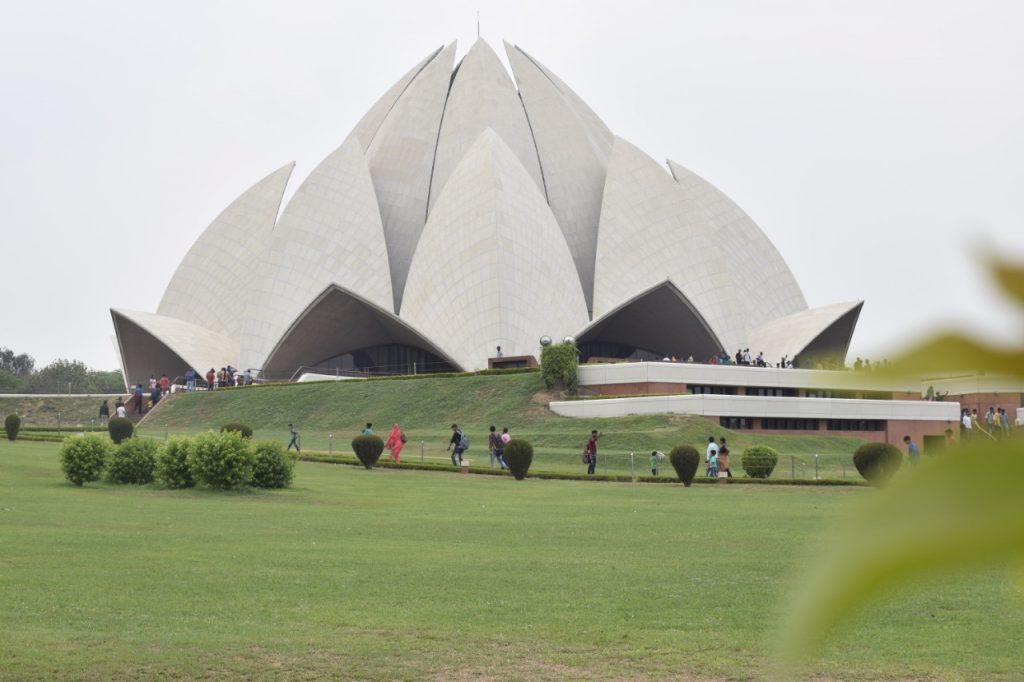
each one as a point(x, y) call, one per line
point(464, 442)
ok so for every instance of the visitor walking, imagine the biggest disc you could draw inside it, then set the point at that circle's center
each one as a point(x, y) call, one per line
point(913, 454)
point(104, 413)
point(119, 409)
point(211, 378)
point(502, 442)
point(165, 385)
point(966, 426)
point(190, 379)
point(138, 398)
point(395, 442)
point(712, 451)
point(154, 397)
point(590, 452)
point(655, 457)
point(295, 438)
point(368, 429)
point(493, 444)
point(723, 463)
point(458, 444)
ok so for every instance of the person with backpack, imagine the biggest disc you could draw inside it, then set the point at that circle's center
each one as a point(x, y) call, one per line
point(460, 442)
point(395, 442)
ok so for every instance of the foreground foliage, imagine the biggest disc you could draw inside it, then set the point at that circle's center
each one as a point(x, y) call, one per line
point(172, 464)
point(221, 460)
point(120, 428)
point(368, 449)
point(518, 456)
point(759, 461)
point(83, 458)
point(12, 424)
point(963, 509)
point(685, 459)
point(877, 462)
point(272, 466)
point(133, 462)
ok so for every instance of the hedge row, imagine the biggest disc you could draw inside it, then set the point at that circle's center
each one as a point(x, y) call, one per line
point(224, 461)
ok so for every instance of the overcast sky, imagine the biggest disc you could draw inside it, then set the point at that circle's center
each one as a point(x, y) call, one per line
point(878, 144)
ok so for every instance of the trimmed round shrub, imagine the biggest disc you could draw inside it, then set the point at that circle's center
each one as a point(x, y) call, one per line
point(238, 427)
point(759, 461)
point(272, 467)
point(12, 425)
point(368, 449)
point(120, 428)
point(133, 462)
point(519, 457)
point(685, 460)
point(221, 460)
point(83, 458)
point(172, 464)
point(877, 462)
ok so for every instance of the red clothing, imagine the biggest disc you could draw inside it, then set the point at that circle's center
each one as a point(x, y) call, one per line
point(394, 443)
point(165, 384)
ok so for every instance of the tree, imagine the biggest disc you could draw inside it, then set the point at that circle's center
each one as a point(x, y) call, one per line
point(19, 365)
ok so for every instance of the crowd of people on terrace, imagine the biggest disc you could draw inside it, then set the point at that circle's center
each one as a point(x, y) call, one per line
point(744, 358)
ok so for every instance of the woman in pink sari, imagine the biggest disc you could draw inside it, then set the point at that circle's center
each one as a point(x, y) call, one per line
point(395, 442)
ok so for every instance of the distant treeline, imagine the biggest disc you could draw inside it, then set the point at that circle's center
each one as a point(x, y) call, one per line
point(18, 374)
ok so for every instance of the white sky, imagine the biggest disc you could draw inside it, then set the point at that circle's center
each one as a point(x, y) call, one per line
point(878, 144)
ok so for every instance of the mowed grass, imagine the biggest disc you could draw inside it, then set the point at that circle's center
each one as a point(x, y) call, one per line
point(427, 407)
point(390, 574)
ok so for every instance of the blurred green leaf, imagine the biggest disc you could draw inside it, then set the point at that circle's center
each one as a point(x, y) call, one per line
point(962, 509)
point(955, 353)
point(1010, 278)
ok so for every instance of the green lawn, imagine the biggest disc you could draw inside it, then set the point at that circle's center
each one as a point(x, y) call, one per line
point(392, 574)
point(427, 407)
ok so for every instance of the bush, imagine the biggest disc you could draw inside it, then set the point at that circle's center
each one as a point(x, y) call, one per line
point(238, 427)
point(120, 428)
point(877, 462)
point(558, 365)
point(172, 464)
point(272, 467)
point(685, 460)
point(368, 449)
point(83, 458)
point(221, 460)
point(12, 425)
point(133, 461)
point(518, 456)
point(759, 461)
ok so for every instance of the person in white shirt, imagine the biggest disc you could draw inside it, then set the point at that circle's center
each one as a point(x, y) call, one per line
point(966, 423)
point(712, 450)
point(120, 410)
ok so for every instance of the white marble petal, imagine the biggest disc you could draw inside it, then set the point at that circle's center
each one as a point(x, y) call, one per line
point(401, 157)
point(790, 335)
point(371, 121)
point(601, 136)
point(212, 284)
point(650, 233)
point(482, 96)
point(492, 267)
point(329, 233)
point(571, 159)
point(766, 286)
point(155, 344)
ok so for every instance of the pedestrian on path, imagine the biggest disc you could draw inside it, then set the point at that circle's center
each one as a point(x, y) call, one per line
point(295, 439)
point(395, 442)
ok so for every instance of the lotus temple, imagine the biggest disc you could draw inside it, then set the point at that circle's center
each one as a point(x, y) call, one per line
point(473, 208)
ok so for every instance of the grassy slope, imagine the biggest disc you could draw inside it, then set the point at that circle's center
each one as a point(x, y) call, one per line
point(42, 411)
point(419, 576)
point(426, 408)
